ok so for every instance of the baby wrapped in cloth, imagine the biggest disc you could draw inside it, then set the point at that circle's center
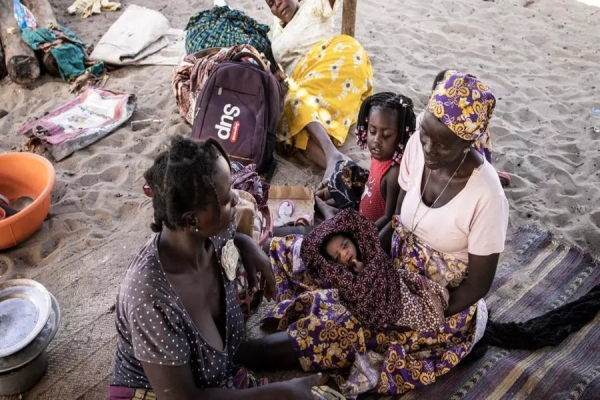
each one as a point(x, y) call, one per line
point(373, 290)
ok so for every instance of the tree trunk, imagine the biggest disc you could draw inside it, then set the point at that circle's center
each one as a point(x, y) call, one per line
point(349, 17)
point(21, 63)
point(44, 16)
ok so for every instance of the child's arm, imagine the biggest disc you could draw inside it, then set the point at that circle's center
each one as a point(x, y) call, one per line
point(390, 189)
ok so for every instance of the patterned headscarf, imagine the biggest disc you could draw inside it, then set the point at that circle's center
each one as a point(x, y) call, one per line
point(465, 105)
point(402, 298)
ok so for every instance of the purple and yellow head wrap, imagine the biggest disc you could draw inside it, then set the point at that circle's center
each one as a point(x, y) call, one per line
point(465, 105)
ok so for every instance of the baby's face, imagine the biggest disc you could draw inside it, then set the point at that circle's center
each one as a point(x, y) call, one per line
point(341, 250)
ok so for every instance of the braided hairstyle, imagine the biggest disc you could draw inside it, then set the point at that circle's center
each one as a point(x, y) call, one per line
point(401, 104)
point(182, 180)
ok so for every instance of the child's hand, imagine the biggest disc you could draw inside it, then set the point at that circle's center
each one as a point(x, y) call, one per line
point(357, 266)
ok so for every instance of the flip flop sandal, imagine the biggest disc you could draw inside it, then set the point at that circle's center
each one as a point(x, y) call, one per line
point(504, 179)
point(304, 220)
point(147, 190)
point(285, 209)
point(326, 393)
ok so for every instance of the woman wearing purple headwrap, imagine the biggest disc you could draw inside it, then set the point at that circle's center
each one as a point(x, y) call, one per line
point(450, 226)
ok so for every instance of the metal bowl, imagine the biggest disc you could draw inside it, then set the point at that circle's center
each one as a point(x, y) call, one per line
point(25, 306)
point(37, 346)
point(21, 371)
point(22, 379)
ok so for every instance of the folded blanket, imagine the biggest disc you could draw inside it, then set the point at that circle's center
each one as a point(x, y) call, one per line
point(245, 177)
point(380, 295)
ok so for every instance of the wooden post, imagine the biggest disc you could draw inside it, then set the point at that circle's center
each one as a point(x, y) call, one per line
point(21, 63)
point(348, 17)
point(42, 10)
point(2, 64)
point(44, 16)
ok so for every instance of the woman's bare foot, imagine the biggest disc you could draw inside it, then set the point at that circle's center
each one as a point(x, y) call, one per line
point(328, 210)
point(332, 160)
point(321, 150)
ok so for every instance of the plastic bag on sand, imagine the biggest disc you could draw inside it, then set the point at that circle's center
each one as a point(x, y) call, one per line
point(89, 7)
point(90, 117)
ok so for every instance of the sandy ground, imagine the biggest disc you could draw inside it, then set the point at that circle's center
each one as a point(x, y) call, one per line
point(541, 60)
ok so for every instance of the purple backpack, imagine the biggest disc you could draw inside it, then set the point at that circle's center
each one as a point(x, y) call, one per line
point(240, 106)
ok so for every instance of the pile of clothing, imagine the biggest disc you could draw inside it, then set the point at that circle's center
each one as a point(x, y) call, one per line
point(69, 51)
point(221, 27)
point(253, 215)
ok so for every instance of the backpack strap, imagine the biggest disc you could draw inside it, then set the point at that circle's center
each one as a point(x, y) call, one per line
point(245, 53)
point(268, 174)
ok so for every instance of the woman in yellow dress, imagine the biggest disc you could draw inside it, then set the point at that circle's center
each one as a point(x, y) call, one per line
point(328, 77)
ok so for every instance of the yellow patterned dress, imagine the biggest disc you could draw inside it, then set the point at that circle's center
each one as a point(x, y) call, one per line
point(326, 336)
point(328, 86)
point(329, 75)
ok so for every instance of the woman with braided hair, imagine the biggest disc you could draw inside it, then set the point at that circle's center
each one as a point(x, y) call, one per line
point(179, 326)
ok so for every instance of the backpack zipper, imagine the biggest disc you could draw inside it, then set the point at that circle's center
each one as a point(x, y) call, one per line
point(266, 88)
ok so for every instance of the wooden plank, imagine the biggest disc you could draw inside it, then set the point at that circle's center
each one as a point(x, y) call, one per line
point(2, 63)
point(42, 11)
point(21, 63)
point(44, 16)
point(349, 17)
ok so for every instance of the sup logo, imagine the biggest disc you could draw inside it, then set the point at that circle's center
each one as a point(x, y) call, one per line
point(228, 128)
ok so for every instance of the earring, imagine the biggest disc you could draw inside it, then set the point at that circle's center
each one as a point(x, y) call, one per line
point(196, 229)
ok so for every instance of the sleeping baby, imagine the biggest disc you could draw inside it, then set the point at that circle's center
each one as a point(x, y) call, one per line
point(344, 253)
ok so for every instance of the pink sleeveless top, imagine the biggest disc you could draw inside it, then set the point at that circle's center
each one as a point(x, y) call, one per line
point(372, 203)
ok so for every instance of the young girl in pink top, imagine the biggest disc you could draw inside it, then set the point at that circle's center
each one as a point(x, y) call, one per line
point(385, 123)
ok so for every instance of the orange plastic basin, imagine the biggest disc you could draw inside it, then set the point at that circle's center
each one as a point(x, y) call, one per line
point(25, 174)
